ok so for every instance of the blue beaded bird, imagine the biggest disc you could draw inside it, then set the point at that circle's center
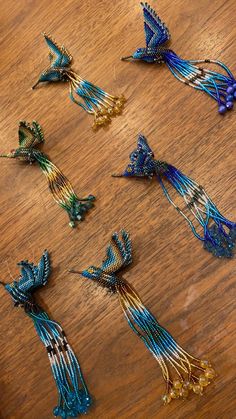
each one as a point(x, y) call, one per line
point(95, 100)
point(73, 395)
point(181, 371)
point(219, 86)
point(216, 232)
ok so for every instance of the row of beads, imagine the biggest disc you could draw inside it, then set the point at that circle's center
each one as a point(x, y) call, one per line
point(103, 116)
point(229, 101)
point(181, 389)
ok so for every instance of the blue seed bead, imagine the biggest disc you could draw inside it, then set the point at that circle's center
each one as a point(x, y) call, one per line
point(234, 95)
point(234, 86)
point(229, 105)
point(230, 90)
point(57, 411)
point(222, 109)
point(229, 98)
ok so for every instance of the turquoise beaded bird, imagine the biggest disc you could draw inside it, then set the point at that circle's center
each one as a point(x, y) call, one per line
point(73, 396)
point(95, 100)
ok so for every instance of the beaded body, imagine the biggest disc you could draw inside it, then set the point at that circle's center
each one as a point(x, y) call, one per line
point(31, 136)
point(219, 86)
point(181, 371)
point(95, 100)
point(73, 395)
point(217, 233)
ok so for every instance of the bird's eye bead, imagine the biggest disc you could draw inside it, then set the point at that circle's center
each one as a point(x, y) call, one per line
point(90, 270)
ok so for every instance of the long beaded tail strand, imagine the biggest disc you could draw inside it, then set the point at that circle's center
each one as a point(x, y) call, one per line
point(96, 101)
point(217, 233)
point(73, 395)
point(60, 187)
point(181, 371)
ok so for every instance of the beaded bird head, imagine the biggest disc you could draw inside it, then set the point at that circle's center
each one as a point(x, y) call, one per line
point(95, 100)
point(31, 277)
point(156, 34)
point(30, 137)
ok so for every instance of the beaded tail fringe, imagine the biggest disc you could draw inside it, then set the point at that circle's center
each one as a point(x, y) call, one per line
point(221, 87)
point(181, 371)
point(73, 395)
point(218, 233)
point(63, 192)
point(96, 101)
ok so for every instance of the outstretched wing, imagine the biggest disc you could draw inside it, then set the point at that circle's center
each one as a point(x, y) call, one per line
point(43, 269)
point(33, 276)
point(30, 134)
point(26, 135)
point(156, 31)
point(141, 160)
point(59, 56)
point(119, 253)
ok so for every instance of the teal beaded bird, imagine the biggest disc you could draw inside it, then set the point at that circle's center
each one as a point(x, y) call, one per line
point(96, 101)
point(30, 137)
point(73, 395)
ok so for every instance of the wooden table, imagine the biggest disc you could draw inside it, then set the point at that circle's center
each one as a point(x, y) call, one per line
point(191, 293)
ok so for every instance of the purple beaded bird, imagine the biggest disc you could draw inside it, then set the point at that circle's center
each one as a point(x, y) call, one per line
point(220, 86)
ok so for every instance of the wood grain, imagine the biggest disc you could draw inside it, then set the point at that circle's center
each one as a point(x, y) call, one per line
point(190, 292)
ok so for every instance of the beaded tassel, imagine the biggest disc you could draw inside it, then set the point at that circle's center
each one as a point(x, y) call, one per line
point(95, 100)
point(63, 193)
point(181, 371)
point(73, 395)
point(219, 86)
point(216, 232)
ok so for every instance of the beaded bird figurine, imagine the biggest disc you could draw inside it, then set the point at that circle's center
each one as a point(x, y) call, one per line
point(219, 86)
point(216, 232)
point(30, 137)
point(181, 371)
point(96, 101)
point(73, 395)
